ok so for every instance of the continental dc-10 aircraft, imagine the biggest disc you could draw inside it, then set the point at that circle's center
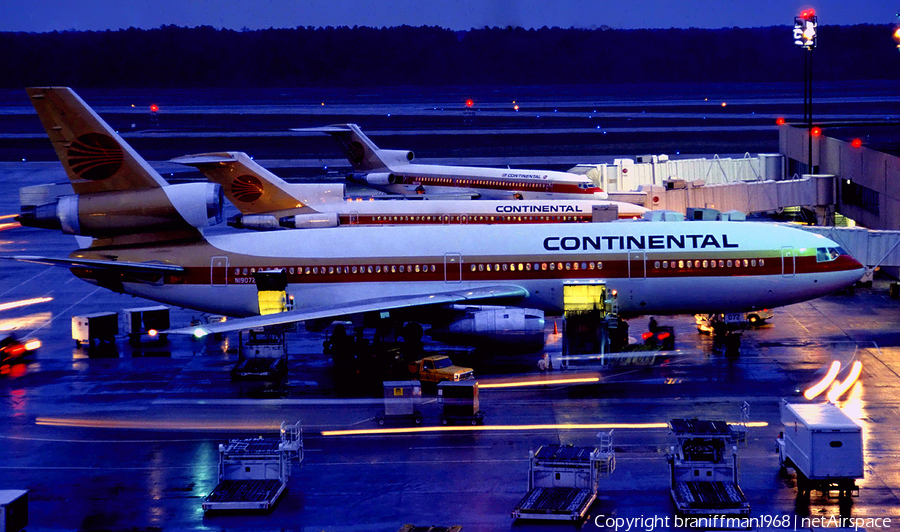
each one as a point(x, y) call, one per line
point(392, 171)
point(148, 240)
point(267, 202)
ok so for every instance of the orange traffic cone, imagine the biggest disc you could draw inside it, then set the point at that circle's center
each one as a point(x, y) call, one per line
point(555, 330)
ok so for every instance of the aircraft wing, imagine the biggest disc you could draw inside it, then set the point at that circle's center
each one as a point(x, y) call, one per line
point(358, 307)
point(111, 265)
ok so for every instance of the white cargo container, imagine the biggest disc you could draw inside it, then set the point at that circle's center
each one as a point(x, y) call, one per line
point(824, 446)
point(103, 326)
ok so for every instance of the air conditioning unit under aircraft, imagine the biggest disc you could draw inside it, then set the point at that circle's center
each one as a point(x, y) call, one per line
point(123, 212)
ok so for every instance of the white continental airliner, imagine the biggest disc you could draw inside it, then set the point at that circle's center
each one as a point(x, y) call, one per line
point(268, 202)
point(148, 241)
point(392, 171)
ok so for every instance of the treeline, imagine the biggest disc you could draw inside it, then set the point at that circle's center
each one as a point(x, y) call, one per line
point(171, 56)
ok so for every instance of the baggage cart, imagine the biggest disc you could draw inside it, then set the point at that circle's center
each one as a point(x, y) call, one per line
point(401, 401)
point(141, 321)
point(102, 326)
point(460, 402)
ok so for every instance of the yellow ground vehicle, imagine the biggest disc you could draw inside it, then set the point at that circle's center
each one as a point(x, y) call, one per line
point(439, 368)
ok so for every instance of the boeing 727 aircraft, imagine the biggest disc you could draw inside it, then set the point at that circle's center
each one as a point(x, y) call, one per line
point(268, 202)
point(392, 171)
point(408, 273)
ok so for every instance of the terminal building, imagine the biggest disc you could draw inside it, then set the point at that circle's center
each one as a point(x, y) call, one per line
point(846, 184)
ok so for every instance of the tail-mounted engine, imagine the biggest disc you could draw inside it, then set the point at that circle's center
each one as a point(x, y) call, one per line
point(389, 157)
point(124, 212)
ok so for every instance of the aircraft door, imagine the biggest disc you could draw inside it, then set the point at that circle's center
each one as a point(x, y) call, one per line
point(788, 264)
point(452, 267)
point(354, 218)
point(218, 271)
point(637, 265)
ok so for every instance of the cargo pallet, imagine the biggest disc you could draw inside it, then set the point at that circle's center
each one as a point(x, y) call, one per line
point(253, 473)
point(563, 481)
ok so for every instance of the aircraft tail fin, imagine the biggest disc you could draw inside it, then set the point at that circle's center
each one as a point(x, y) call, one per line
point(249, 186)
point(95, 157)
point(359, 149)
point(118, 197)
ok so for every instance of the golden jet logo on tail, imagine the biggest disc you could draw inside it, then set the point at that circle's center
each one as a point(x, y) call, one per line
point(94, 156)
point(247, 188)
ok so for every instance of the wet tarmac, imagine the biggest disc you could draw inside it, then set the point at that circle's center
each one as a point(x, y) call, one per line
point(122, 437)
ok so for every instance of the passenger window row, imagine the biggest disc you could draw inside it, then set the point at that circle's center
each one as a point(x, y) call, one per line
point(706, 263)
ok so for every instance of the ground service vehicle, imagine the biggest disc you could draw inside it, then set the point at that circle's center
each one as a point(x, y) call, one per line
point(563, 480)
point(824, 446)
point(459, 400)
point(138, 322)
point(439, 368)
point(12, 348)
point(262, 355)
point(401, 401)
point(254, 472)
point(704, 469)
point(102, 326)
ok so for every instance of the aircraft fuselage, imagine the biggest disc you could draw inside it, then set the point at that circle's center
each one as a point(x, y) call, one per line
point(655, 267)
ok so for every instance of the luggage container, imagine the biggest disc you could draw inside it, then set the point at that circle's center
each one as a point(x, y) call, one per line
point(13, 510)
point(401, 401)
point(102, 326)
point(460, 402)
point(138, 322)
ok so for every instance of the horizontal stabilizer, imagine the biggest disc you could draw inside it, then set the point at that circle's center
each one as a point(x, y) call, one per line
point(204, 159)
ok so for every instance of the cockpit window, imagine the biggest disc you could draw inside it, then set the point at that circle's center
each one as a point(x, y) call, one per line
point(828, 254)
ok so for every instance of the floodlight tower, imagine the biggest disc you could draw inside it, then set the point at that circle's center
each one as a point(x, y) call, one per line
point(805, 30)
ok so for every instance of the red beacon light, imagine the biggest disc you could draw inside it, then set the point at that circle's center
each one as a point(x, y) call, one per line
point(856, 143)
point(469, 103)
point(808, 13)
point(154, 108)
point(816, 131)
point(779, 121)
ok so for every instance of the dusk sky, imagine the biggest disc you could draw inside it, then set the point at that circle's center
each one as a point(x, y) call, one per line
point(50, 15)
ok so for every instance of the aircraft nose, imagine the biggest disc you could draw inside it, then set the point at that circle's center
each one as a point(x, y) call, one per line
point(851, 262)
